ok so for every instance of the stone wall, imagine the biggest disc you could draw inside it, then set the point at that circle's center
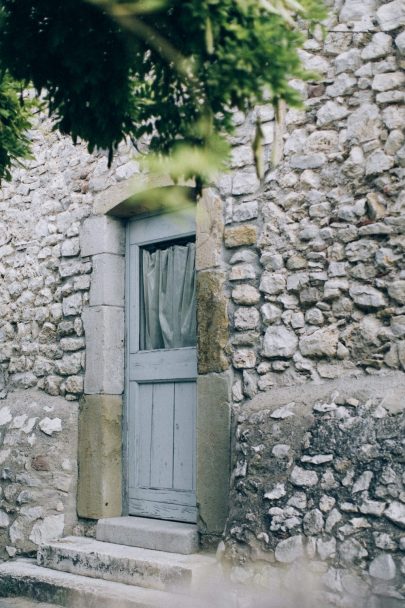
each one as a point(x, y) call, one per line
point(317, 286)
point(321, 292)
point(44, 288)
point(319, 479)
point(38, 470)
point(44, 281)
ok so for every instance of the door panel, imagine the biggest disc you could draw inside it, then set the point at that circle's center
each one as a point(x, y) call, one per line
point(183, 436)
point(161, 459)
point(161, 398)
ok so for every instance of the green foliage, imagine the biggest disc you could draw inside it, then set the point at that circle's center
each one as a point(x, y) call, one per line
point(14, 123)
point(172, 70)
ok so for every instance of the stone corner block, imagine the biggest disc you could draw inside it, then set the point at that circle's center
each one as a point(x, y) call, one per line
point(104, 329)
point(102, 234)
point(213, 325)
point(100, 457)
point(213, 450)
point(210, 229)
point(108, 280)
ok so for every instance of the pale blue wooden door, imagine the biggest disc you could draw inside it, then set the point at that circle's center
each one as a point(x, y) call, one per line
point(161, 387)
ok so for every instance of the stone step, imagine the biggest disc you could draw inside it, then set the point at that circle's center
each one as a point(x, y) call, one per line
point(25, 578)
point(123, 564)
point(22, 602)
point(171, 536)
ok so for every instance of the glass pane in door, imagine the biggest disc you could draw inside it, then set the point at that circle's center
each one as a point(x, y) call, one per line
point(168, 303)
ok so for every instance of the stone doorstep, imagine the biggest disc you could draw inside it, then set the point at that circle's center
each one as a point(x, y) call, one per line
point(25, 578)
point(170, 536)
point(129, 565)
point(22, 602)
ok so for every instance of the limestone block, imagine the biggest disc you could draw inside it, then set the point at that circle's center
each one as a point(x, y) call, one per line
point(322, 141)
point(212, 319)
point(70, 247)
point(279, 342)
point(348, 61)
point(394, 117)
point(74, 384)
point(378, 162)
point(246, 256)
point(240, 235)
point(289, 550)
point(107, 281)
point(356, 10)
point(245, 211)
point(364, 124)
point(72, 305)
point(390, 80)
point(100, 457)
point(391, 15)
point(400, 43)
point(245, 294)
point(363, 295)
point(241, 156)
point(380, 45)
point(241, 272)
point(49, 528)
point(245, 183)
point(102, 234)
point(272, 283)
point(244, 358)
point(313, 522)
point(270, 313)
point(383, 567)
point(396, 513)
point(246, 318)
point(49, 426)
point(307, 161)
point(343, 85)
point(321, 342)
point(104, 328)
point(210, 228)
point(396, 290)
point(331, 112)
point(213, 451)
point(69, 364)
point(303, 478)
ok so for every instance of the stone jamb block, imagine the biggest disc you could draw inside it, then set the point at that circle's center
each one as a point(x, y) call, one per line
point(210, 229)
point(100, 457)
point(108, 280)
point(104, 329)
point(213, 451)
point(102, 234)
point(212, 320)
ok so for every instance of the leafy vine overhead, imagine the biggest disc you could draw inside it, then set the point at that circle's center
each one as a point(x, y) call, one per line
point(14, 124)
point(173, 70)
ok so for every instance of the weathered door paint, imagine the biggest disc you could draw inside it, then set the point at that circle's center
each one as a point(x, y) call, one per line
point(161, 400)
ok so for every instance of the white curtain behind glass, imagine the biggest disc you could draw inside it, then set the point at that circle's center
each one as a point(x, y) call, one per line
point(168, 294)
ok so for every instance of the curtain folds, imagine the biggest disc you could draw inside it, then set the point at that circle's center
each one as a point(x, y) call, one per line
point(168, 317)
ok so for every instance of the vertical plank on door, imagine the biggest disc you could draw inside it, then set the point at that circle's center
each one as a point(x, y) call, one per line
point(184, 436)
point(143, 433)
point(162, 435)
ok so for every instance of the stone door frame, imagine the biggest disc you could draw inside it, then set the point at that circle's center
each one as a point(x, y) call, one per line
point(102, 429)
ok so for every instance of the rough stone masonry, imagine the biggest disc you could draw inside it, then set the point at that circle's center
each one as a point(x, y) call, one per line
point(44, 288)
point(310, 265)
point(316, 296)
